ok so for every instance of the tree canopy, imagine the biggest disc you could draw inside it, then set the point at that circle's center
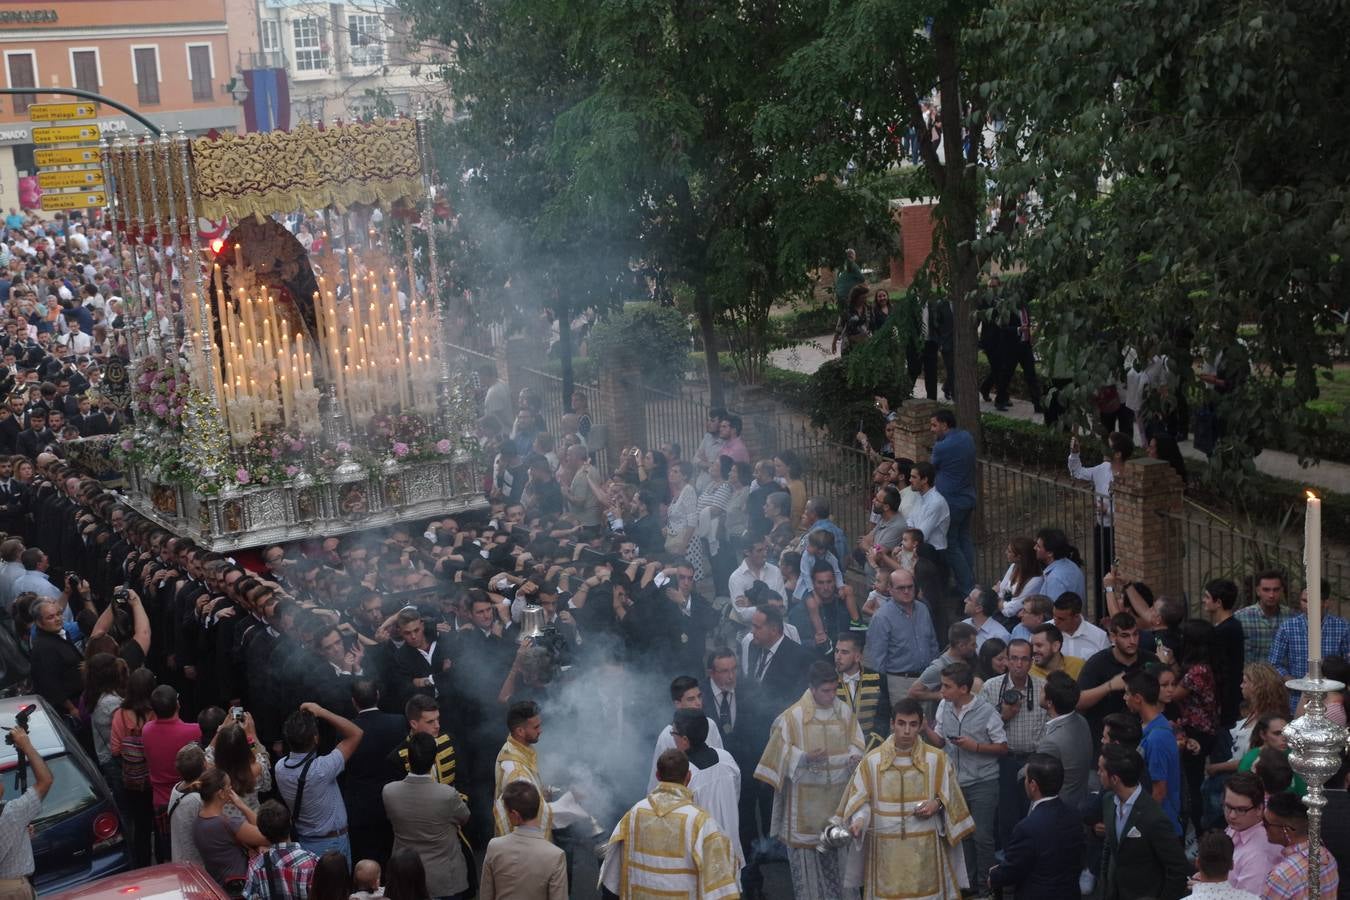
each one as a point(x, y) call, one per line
point(1183, 173)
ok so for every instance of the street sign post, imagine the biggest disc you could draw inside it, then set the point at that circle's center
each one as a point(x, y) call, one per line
point(55, 202)
point(61, 112)
point(65, 134)
point(78, 178)
point(75, 156)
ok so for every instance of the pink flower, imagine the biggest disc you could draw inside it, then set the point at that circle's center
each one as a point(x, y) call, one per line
point(291, 471)
point(264, 479)
point(161, 409)
point(297, 446)
point(127, 445)
point(443, 445)
point(343, 447)
point(241, 476)
point(400, 449)
point(276, 453)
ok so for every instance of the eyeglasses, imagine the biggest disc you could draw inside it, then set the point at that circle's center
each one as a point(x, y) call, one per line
point(1238, 810)
point(1285, 828)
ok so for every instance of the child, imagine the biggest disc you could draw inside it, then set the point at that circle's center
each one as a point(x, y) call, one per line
point(907, 554)
point(366, 880)
point(880, 593)
point(819, 546)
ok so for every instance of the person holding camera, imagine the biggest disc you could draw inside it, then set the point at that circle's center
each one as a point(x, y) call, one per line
point(1016, 695)
point(16, 844)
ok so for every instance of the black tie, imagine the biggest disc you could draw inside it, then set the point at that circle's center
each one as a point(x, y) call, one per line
point(724, 713)
point(762, 665)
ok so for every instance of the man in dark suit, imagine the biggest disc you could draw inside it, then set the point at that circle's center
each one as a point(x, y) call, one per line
point(369, 770)
point(1143, 857)
point(775, 664)
point(1042, 859)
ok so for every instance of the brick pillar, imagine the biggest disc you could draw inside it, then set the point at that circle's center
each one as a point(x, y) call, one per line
point(913, 436)
point(620, 409)
point(1147, 543)
point(759, 424)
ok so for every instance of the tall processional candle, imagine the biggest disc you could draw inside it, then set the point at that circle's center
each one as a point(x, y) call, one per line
point(1312, 552)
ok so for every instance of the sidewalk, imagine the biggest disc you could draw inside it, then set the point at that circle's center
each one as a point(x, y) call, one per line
point(808, 356)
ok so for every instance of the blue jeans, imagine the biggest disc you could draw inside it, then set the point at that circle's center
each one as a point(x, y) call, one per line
point(982, 799)
point(320, 846)
point(960, 552)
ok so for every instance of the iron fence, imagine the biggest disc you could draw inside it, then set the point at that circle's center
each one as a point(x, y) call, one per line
point(1017, 503)
point(1208, 546)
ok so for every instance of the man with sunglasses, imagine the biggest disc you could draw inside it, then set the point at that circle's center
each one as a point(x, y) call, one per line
point(1253, 853)
point(1286, 823)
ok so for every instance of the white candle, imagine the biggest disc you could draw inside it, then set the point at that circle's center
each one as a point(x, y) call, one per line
point(1312, 550)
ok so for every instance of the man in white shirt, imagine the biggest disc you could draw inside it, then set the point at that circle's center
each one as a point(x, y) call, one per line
point(980, 606)
point(1081, 638)
point(931, 514)
point(754, 568)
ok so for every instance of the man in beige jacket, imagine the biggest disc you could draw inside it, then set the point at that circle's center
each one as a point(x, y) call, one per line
point(523, 865)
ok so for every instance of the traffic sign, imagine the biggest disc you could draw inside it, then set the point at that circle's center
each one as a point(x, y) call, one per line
point(79, 178)
point(62, 134)
point(61, 112)
point(76, 156)
point(53, 202)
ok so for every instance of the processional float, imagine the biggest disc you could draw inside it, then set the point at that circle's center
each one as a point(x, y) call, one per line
point(281, 390)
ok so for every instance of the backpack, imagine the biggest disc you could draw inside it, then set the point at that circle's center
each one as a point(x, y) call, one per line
point(135, 769)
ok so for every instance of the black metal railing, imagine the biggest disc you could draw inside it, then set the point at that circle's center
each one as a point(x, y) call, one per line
point(1016, 503)
point(1210, 546)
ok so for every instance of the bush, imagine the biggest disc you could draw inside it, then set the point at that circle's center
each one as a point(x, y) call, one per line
point(643, 336)
point(811, 322)
point(1031, 444)
point(841, 409)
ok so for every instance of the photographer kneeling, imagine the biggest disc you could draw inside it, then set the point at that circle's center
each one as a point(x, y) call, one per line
point(16, 846)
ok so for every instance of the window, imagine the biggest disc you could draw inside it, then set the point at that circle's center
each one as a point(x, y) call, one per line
point(310, 53)
point(145, 71)
point(21, 74)
point(271, 35)
point(84, 66)
point(365, 37)
point(199, 70)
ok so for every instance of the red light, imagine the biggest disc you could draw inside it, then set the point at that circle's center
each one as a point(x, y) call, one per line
point(217, 245)
point(105, 826)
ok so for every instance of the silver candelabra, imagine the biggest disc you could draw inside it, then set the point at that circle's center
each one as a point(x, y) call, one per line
point(1316, 745)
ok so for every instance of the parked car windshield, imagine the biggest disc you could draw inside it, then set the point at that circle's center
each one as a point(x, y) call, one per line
point(70, 793)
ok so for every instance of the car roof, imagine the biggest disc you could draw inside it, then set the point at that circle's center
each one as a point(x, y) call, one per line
point(170, 881)
point(41, 728)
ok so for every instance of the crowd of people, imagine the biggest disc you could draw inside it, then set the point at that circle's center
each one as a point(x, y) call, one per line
point(375, 712)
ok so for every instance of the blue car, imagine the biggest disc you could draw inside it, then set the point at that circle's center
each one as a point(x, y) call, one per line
point(78, 836)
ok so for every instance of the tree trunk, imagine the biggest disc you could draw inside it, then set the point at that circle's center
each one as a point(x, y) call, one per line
point(707, 327)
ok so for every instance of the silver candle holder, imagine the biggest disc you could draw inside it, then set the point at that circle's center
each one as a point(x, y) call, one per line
point(1315, 747)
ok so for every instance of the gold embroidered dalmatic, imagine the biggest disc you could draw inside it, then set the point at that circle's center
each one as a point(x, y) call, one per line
point(518, 762)
point(806, 794)
point(905, 856)
point(666, 847)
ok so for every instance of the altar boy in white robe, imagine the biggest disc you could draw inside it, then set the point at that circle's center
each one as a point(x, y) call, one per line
point(714, 776)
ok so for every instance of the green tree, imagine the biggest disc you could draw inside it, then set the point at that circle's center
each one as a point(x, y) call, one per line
point(847, 97)
point(1184, 168)
point(632, 122)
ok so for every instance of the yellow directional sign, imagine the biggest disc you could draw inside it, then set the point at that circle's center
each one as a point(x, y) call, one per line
point(62, 134)
point(76, 156)
point(53, 202)
point(61, 112)
point(73, 179)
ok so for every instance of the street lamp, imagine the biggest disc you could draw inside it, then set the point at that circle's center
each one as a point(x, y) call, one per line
point(238, 89)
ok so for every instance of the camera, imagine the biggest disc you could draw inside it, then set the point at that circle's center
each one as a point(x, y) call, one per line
point(120, 595)
point(1010, 697)
point(21, 721)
